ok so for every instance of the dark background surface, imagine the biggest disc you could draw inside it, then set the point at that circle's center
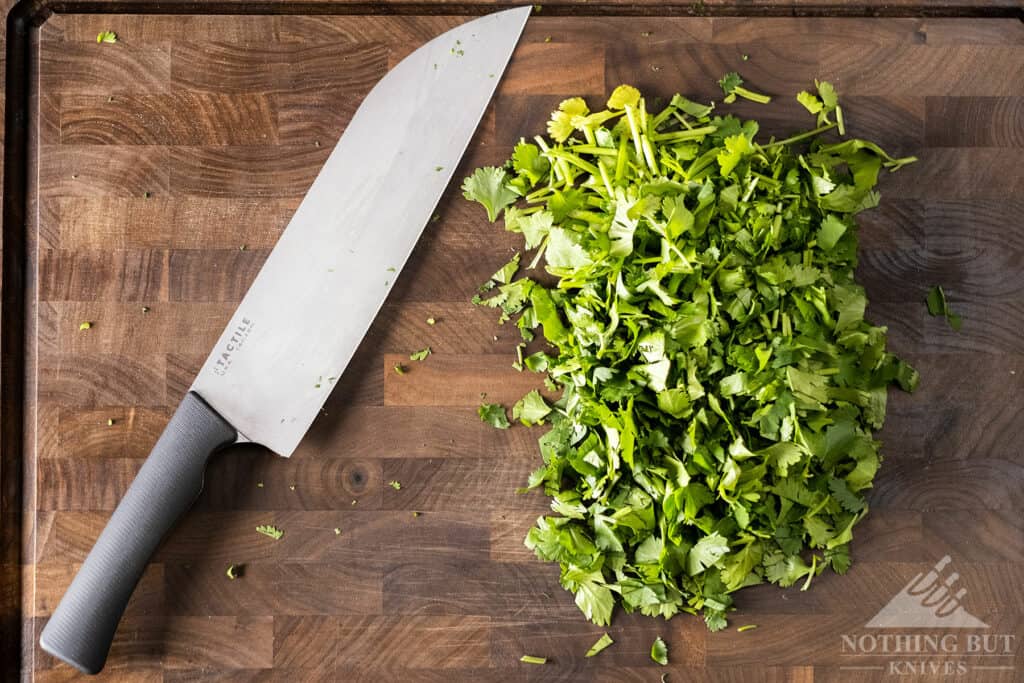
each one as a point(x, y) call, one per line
point(225, 120)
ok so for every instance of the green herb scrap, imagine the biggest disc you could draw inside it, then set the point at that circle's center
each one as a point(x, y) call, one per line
point(824, 104)
point(937, 305)
point(487, 186)
point(418, 355)
point(494, 415)
point(732, 85)
point(106, 37)
point(272, 531)
point(530, 659)
point(719, 383)
point(659, 651)
point(602, 642)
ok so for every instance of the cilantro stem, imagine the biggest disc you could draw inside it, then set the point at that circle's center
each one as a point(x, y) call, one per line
point(652, 163)
point(593, 149)
point(691, 134)
point(682, 120)
point(561, 171)
point(751, 95)
point(801, 136)
point(574, 160)
point(620, 162)
point(604, 178)
point(896, 164)
point(634, 131)
point(750, 190)
point(537, 195)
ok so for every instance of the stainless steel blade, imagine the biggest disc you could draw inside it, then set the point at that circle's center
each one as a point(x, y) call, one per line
point(314, 299)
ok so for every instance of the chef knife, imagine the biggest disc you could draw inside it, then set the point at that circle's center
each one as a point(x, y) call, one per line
point(308, 309)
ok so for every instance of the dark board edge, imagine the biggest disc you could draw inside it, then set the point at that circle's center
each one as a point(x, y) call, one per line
point(24, 19)
point(710, 8)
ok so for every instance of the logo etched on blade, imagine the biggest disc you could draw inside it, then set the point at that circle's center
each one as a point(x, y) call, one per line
point(233, 343)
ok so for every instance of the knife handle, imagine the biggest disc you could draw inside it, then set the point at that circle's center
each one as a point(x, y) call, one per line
point(83, 625)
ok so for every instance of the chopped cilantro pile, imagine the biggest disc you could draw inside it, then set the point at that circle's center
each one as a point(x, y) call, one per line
point(720, 385)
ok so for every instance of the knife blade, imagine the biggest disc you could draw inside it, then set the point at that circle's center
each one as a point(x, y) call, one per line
point(309, 307)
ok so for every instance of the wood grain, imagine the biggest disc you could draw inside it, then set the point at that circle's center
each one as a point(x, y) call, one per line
point(167, 167)
point(196, 118)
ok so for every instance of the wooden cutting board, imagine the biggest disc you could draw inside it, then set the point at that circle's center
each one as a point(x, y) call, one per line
point(166, 166)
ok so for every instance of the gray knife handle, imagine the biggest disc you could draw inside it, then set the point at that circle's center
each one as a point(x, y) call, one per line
point(82, 627)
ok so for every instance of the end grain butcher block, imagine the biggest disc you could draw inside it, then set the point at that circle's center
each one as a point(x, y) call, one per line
point(168, 164)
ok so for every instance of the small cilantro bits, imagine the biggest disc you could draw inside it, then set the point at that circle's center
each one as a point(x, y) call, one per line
point(106, 37)
point(719, 383)
point(938, 306)
point(732, 85)
point(604, 641)
point(418, 355)
point(271, 531)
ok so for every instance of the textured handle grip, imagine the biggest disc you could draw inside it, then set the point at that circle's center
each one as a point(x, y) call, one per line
point(82, 627)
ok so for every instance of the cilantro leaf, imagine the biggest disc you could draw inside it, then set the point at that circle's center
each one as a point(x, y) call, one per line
point(659, 651)
point(531, 409)
point(596, 602)
point(487, 186)
point(528, 164)
point(810, 101)
point(494, 415)
point(561, 125)
point(418, 355)
point(624, 96)
point(106, 37)
point(707, 552)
